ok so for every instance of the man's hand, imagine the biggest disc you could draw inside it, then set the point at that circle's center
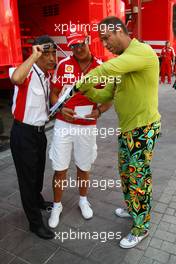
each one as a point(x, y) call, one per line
point(68, 113)
point(95, 114)
point(37, 51)
point(21, 73)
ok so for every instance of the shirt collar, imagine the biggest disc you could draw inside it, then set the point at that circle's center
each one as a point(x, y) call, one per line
point(133, 43)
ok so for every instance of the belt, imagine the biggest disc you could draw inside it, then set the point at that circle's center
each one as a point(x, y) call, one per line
point(38, 129)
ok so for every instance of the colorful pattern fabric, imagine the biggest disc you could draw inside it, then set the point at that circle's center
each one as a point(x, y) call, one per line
point(135, 154)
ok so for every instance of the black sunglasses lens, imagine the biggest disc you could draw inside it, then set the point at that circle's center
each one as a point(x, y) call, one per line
point(78, 45)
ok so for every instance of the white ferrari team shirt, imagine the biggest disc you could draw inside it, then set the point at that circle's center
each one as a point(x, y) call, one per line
point(31, 99)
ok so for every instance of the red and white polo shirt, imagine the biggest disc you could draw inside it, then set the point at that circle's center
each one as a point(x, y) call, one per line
point(68, 71)
point(31, 98)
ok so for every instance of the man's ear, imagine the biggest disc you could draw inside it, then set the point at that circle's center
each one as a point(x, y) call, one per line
point(120, 32)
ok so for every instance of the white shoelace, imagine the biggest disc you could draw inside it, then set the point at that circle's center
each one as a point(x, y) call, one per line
point(131, 237)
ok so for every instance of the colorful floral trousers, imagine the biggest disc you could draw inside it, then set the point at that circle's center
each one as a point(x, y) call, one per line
point(135, 154)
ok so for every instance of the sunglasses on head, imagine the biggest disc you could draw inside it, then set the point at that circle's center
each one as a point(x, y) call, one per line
point(46, 47)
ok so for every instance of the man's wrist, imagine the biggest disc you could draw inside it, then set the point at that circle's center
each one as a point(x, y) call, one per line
point(99, 111)
point(34, 57)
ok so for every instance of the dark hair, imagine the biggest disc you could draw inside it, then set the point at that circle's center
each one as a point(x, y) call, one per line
point(43, 40)
point(115, 21)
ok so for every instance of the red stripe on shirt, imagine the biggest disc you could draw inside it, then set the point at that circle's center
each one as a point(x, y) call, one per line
point(21, 99)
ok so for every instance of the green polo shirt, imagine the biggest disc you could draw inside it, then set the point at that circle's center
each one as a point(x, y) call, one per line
point(136, 96)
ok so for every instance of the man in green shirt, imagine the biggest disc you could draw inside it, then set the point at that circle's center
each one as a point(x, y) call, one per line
point(132, 82)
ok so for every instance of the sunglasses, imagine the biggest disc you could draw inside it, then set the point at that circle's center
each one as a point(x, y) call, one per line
point(79, 45)
point(46, 47)
point(76, 46)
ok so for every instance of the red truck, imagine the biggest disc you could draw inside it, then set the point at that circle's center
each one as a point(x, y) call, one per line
point(23, 20)
point(153, 21)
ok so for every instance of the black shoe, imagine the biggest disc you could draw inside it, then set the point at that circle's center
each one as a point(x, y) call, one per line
point(42, 232)
point(46, 205)
point(174, 85)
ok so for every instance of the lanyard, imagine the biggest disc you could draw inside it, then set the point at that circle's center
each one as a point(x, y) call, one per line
point(46, 91)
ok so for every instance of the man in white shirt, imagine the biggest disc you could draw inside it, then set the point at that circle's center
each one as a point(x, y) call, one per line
point(28, 141)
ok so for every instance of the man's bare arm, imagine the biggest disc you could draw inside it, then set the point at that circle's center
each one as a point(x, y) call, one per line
point(54, 95)
point(20, 74)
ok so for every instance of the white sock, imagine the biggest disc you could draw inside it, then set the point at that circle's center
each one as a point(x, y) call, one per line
point(57, 205)
point(83, 199)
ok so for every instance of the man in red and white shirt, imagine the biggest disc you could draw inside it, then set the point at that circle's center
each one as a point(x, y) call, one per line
point(167, 58)
point(71, 129)
point(28, 141)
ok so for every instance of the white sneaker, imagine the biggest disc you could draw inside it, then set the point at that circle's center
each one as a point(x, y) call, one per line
point(54, 217)
point(131, 241)
point(122, 212)
point(86, 211)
